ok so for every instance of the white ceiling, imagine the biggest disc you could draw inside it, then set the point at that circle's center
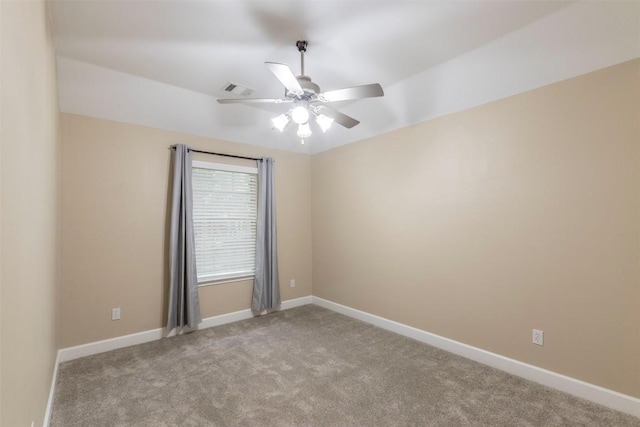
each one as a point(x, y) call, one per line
point(164, 63)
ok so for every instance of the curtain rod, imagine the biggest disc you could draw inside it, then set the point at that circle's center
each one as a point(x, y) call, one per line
point(220, 154)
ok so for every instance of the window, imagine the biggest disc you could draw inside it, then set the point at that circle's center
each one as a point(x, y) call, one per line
point(224, 220)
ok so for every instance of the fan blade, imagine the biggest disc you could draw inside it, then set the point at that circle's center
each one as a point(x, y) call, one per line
point(338, 117)
point(286, 77)
point(254, 101)
point(355, 92)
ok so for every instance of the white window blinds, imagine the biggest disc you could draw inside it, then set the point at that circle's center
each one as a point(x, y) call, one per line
point(224, 216)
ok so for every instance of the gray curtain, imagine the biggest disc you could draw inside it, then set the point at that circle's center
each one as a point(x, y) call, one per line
point(184, 304)
point(266, 287)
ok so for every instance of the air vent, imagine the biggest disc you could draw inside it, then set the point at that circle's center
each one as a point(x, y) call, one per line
point(237, 89)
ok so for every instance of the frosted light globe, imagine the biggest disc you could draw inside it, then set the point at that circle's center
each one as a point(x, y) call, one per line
point(300, 115)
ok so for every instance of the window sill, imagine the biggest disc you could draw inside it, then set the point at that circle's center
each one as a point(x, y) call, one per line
point(222, 281)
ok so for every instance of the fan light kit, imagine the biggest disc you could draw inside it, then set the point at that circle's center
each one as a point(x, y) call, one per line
point(308, 100)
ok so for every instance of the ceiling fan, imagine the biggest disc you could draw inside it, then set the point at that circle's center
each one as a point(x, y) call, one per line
point(307, 99)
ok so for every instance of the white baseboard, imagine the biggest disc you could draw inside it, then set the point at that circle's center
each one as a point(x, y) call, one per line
point(612, 399)
point(71, 353)
point(47, 412)
point(297, 302)
point(247, 313)
point(96, 347)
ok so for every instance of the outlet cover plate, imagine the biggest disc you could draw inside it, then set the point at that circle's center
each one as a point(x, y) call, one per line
point(538, 337)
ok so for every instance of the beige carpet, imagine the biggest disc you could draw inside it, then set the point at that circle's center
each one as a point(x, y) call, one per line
point(305, 367)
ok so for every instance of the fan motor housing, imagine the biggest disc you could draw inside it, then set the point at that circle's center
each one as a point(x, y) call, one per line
point(309, 87)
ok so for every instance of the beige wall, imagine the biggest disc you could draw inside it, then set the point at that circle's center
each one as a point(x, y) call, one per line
point(115, 183)
point(29, 203)
point(479, 226)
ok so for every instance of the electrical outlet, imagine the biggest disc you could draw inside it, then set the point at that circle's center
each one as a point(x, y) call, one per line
point(538, 337)
point(115, 314)
point(293, 283)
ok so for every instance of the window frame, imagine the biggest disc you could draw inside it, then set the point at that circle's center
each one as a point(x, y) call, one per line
point(226, 168)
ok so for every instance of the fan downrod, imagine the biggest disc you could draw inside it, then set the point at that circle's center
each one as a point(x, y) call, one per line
point(302, 48)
